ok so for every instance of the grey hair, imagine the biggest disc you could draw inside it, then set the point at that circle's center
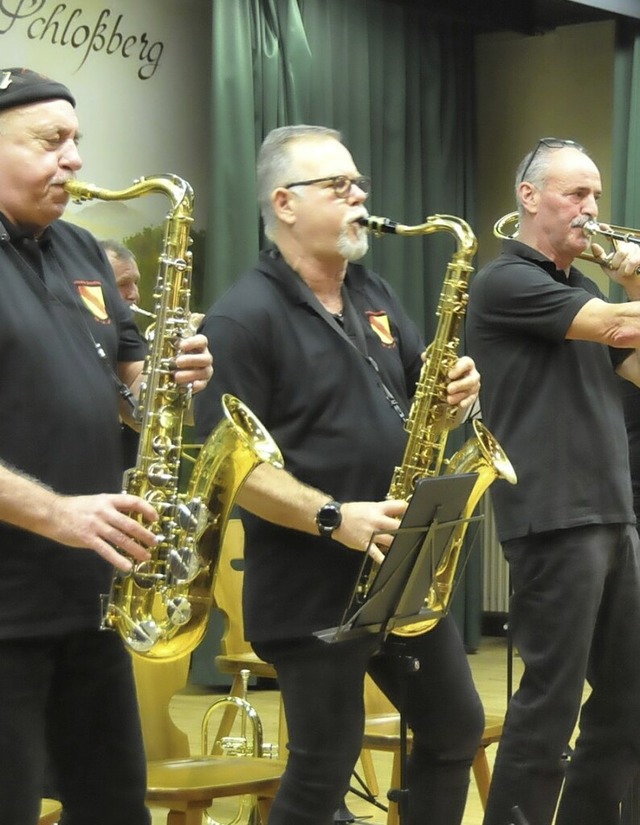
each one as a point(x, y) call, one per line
point(275, 167)
point(121, 252)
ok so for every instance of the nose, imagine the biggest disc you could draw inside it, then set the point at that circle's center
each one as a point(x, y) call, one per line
point(130, 293)
point(590, 206)
point(357, 195)
point(70, 156)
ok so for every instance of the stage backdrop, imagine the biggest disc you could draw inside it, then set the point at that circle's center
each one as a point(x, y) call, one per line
point(140, 73)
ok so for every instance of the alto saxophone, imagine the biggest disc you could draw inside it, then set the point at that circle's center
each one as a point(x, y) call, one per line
point(431, 418)
point(161, 607)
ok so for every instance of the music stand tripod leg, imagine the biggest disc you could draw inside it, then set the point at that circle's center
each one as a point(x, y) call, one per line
point(407, 665)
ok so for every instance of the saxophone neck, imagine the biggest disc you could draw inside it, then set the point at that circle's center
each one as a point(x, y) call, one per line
point(178, 190)
point(459, 228)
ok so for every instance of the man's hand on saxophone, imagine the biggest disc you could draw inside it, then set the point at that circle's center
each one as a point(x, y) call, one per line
point(98, 522)
point(194, 364)
point(465, 383)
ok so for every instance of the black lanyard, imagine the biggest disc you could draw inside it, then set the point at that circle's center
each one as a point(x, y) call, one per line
point(353, 324)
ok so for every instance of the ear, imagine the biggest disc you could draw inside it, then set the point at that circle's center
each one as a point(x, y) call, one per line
point(529, 197)
point(282, 205)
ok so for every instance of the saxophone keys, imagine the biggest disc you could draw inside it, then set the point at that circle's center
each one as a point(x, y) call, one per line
point(142, 636)
point(178, 610)
point(184, 564)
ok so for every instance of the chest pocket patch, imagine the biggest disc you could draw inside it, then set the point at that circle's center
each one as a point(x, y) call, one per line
point(93, 298)
point(379, 323)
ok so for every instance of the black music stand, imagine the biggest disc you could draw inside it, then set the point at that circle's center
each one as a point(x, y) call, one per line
point(398, 591)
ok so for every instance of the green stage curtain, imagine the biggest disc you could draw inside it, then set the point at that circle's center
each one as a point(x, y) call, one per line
point(626, 133)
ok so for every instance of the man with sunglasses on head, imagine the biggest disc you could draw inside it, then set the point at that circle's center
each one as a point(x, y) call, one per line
point(296, 339)
point(549, 345)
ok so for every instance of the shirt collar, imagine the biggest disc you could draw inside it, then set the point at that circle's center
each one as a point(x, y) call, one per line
point(528, 253)
point(16, 233)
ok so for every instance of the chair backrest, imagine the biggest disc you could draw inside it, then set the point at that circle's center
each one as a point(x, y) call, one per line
point(156, 683)
point(227, 589)
point(376, 703)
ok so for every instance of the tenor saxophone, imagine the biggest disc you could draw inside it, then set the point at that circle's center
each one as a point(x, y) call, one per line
point(161, 607)
point(431, 418)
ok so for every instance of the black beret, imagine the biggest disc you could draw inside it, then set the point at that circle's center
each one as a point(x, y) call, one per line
point(19, 87)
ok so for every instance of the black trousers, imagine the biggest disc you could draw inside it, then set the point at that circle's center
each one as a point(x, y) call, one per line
point(574, 615)
point(322, 691)
point(73, 698)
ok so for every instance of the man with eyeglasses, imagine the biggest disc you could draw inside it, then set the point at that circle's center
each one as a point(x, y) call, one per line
point(549, 345)
point(321, 350)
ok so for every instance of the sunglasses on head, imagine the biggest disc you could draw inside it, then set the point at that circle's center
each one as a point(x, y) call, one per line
point(550, 143)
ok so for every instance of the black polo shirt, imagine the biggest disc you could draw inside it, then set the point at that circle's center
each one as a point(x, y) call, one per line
point(58, 414)
point(552, 403)
point(311, 385)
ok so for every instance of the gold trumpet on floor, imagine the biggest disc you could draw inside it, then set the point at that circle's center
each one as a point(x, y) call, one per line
point(246, 741)
point(506, 228)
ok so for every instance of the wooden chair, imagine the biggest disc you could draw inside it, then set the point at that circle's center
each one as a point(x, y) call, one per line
point(382, 732)
point(176, 780)
point(50, 812)
point(236, 653)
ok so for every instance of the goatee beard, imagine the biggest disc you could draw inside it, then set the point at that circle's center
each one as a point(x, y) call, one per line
point(352, 249)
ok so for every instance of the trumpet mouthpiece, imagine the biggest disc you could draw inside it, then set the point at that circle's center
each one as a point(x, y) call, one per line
point(590, 227)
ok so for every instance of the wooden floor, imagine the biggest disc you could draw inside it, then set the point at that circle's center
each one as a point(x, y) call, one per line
point(489, 667)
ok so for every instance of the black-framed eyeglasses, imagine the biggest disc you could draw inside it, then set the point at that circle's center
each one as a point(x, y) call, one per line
point(550, 143)
point(341, 184)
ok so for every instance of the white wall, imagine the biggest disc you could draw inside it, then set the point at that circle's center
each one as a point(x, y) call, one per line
point(140, 74)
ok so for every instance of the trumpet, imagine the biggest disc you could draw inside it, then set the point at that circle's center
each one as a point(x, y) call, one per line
point(506, 228)
point(247, 741)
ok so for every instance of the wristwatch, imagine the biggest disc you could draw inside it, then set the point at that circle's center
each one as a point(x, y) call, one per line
point(329, 518)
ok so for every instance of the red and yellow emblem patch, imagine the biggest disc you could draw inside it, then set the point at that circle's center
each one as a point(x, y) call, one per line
point(379, 323)
point(93, 298)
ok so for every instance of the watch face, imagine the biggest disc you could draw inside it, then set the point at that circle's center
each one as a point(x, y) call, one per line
point(329, 517)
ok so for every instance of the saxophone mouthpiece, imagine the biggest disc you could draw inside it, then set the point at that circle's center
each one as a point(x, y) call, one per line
point(378, 226)
point(139, 311)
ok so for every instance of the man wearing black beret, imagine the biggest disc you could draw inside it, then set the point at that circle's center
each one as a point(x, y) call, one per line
point(66, 342)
